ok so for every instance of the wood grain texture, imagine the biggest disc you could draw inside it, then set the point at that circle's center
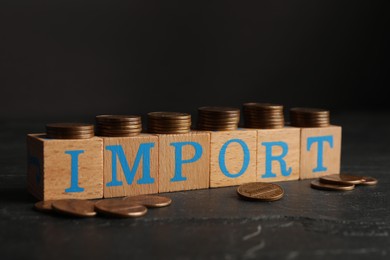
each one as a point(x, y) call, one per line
point(196, 173)
point(331, 156)
point(233, 157)
point(130, 146)
point(55, 164)
point(291, 137)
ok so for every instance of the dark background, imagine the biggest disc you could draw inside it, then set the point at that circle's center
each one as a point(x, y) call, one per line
point(83, 58)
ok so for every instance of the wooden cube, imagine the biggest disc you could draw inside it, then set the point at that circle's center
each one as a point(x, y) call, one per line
point(130, 165)
point(233, 157)
point(64, 168)
point(184, 161)
point(320, 151)
point(278, 154)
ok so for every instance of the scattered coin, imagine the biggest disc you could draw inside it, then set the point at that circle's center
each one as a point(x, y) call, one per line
point(316, 184)
point(260, 191)
point(74, 207)
point(150, 201)
point(341, 179)
point(369, 181)
point(44, 206)
point(120, 208)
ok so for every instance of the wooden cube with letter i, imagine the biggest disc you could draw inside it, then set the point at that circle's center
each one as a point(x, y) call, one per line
point(65, 163)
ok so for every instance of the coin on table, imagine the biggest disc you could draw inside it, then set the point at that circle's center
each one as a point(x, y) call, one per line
point(341, 179)
point(260, 191)
point(74, 207)
point(44, 206)
point(150, 201)
point(120, 208)
point(369, 181)
point(316, 184)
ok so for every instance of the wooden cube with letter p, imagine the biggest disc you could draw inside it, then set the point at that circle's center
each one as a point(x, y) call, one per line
point(278, 154)
point(64, 168)
point(130, 165)
point(233, 157)
point(320, 151)
point(184, 161)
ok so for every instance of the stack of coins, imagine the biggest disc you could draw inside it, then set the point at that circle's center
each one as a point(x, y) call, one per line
point(341, 182)
point(118, 125)
point(309, 117)
point(126, 207)
point(69, 131)
point(169, 123)
point(263, 115)
point(218, 118)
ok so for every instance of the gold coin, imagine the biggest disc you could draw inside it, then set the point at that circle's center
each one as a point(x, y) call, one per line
point(120, 208)
point(44, 206)
point(369, 181)
point(151, 201)
point(260, 191)
point(74, 207)
point(316, 184)
point(340, 179)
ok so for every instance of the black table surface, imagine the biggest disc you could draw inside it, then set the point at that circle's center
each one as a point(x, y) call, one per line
point(214, 223)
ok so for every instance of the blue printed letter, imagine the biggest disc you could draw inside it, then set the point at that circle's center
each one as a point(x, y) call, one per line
point(74, 179)
point(143, 151)
point(320, 154)
point(179, 158)
point(269, 158)
point(245, 161)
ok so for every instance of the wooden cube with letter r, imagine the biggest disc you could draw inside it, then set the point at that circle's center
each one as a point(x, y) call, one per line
point(64, 168)
point(278, 154)
point(320, 151)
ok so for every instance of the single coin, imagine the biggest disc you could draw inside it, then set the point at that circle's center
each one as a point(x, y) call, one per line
point(120, 208)
point(168, 115)
point(75, 126)
point(58, 136)
point(74, 207)
point(151, 201)
point(102, 133)
point(118, 118)
point(369, 181)
point(260, 191)
point(340, 179)
point(219, 110)
point(44, 206)
point(316, 184)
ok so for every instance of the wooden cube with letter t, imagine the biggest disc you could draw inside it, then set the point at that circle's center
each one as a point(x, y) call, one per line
point(184, 161)
point(320, 151)
point(130, 165)
point(233, 157)
point(278, 154)
point(64, 168)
